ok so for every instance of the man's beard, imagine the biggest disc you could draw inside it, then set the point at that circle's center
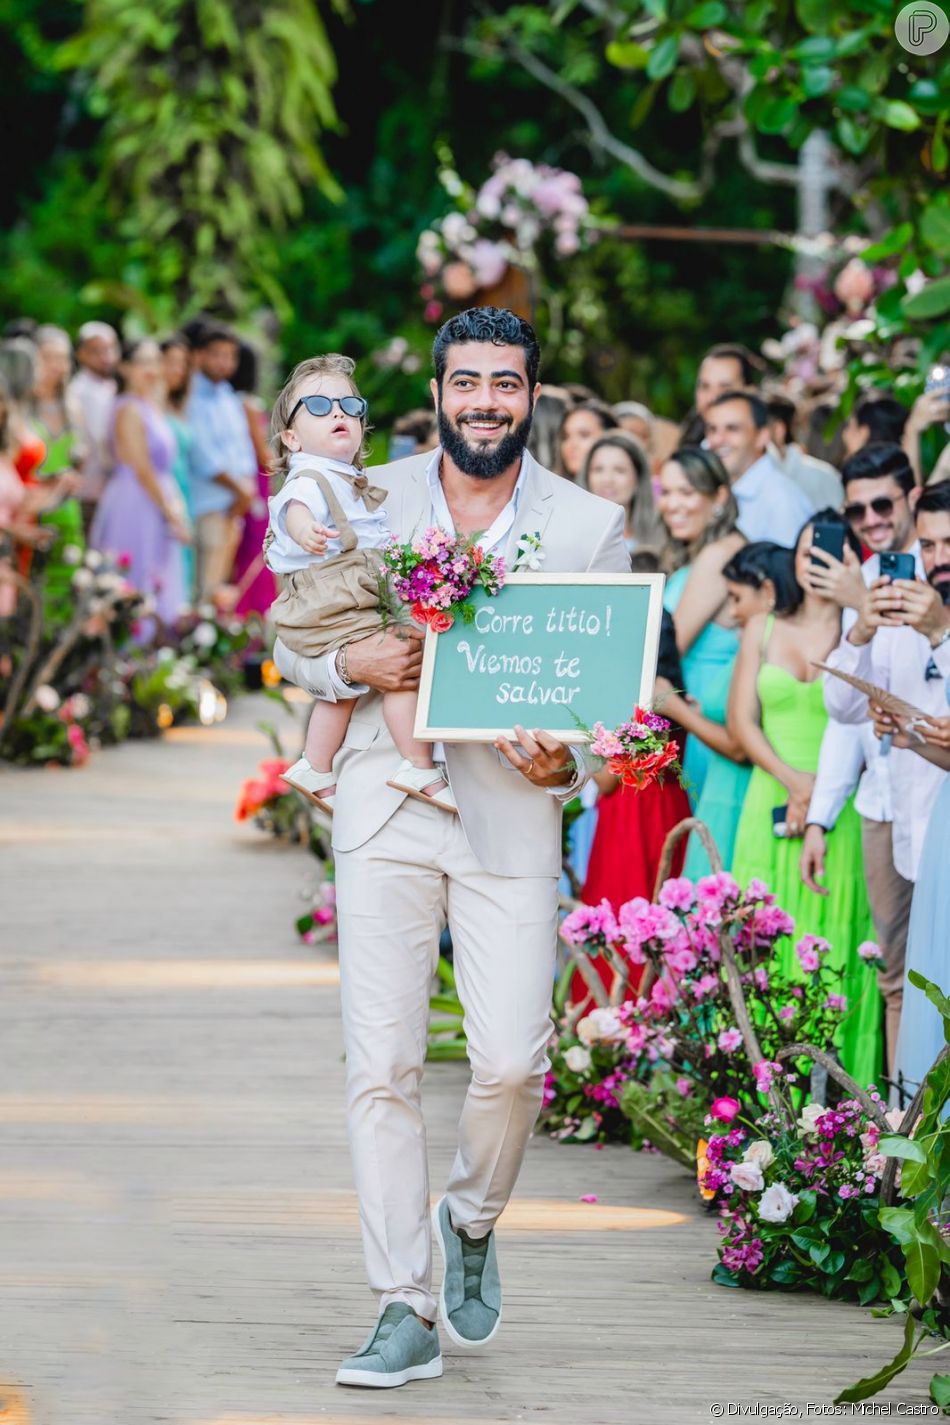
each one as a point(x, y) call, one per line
point(942, 585)
point(483, 464)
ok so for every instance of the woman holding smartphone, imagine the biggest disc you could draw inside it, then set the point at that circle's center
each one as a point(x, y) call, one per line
point(777, 714)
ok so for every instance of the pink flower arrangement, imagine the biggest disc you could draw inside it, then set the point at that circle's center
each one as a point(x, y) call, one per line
point(436, 573)
point(639, 752)
point(683, 1022)
point(521, 208)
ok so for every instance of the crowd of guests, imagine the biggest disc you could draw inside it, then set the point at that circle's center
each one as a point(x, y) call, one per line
point(157, 450)
point(782, 761)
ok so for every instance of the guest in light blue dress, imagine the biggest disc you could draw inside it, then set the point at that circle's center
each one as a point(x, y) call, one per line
point(699, 511)
point(928, 948)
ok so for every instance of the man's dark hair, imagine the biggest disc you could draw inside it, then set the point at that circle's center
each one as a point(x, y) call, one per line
point(752, 367)
point(420, 424)
point(760, 411)
point(209, 332)
point(494, 324)
point(883, 417)
point(934, 500)
point(878, 460)
point(780, 408)
point(754, 563)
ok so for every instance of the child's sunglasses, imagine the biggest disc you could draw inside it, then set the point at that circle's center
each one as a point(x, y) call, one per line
point(323, 405)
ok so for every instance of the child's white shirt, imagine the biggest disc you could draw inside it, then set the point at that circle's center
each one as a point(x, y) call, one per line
point(285, 555)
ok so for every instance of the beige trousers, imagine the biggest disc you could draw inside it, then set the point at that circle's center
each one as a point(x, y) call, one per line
point(217, 537)
point(394, 894)
point(890, 897)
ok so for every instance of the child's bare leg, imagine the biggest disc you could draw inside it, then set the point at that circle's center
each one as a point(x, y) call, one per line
point(326, 731)
point(399, 710)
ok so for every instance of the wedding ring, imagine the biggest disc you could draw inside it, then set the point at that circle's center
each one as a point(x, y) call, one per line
point(530, 768)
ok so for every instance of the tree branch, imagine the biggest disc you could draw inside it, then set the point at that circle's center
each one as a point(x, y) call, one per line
point(599, 133)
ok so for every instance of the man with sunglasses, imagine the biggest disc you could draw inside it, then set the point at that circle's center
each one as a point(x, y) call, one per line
point(878, 484)
point(900, 640)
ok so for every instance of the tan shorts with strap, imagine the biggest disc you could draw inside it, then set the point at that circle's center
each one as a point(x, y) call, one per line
point(333, 602)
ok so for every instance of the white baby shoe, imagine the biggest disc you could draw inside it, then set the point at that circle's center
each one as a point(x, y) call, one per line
point(411, 780)
point(311, 784)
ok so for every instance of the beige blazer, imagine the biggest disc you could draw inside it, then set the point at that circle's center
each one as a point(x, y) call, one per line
point(513, 828)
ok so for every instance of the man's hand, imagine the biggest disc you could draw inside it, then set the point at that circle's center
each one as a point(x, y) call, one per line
point(837, 580)
point(921, 607)
point(881, 609)
point(799, 788)
point(929, 408)
point(543, 759)
point(390, 662)
point(812, 864)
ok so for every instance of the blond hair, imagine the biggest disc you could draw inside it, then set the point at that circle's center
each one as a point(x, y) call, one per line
point(333, 364)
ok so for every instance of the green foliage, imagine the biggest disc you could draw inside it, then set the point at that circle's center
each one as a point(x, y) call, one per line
point(919, 1226)
point(210, 114)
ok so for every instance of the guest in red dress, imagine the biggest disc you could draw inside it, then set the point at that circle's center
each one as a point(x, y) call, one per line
point(631, 829)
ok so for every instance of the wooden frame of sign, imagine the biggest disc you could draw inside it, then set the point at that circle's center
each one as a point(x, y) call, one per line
point(541, 682)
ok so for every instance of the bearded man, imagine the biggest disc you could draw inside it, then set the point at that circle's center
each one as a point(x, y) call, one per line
point(403, 871)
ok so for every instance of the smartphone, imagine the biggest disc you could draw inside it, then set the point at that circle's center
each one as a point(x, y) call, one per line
point(830, 538)
point(938, 379)
point(898, 566)
point(780, 820)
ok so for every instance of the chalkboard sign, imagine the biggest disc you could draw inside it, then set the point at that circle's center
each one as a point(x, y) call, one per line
point(547, 649)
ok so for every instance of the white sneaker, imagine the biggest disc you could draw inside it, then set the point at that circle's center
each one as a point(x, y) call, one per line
point(411, 780)
point(311, 784)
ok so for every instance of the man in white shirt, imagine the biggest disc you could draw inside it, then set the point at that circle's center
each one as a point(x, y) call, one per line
point(878, 482)
point(90, 397)
point(771, 507)
point(492, 871)
point(901, 641)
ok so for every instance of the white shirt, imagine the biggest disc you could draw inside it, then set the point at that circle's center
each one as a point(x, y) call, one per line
point(770, 505)
point(897, 659)
point(818, 481)
point(843, 756)
point(285, 555)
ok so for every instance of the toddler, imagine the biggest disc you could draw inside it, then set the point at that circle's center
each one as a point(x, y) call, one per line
point(327, 526)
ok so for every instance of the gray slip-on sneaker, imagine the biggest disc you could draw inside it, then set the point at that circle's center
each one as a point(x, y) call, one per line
point(470, 1299)
point(398, 1349)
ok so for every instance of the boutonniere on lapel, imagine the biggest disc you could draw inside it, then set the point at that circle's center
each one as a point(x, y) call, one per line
point(530, 554)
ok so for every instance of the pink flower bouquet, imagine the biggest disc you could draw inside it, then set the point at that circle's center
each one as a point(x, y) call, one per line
point(639, 751)
point(436, 573)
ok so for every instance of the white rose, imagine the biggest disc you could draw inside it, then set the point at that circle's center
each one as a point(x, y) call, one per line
point(82, 707)
point(808, 1119)
point(747, 1176)
point(205, 635)
point(760, 1153)
point(577, 1059)
point(83, 579)
point(93, 559)
point(777, 1204)
point(71, 554)
point(600, 1024)
point(47, 698)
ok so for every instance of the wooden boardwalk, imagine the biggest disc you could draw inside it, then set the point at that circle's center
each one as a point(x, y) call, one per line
point(178, 1229)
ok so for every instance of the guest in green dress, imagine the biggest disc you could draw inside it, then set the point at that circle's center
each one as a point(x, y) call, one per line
point(759, 579)
point(176, 368)
point(777, 713)
point(699, 511)
point(48, 417)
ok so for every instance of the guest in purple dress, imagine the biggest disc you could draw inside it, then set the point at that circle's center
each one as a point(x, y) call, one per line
point(251, 575)
point(141, 514)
